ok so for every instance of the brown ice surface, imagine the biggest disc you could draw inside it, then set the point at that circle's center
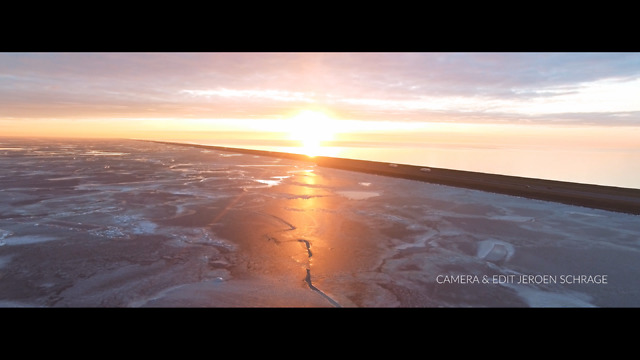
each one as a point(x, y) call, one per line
point(122, 223)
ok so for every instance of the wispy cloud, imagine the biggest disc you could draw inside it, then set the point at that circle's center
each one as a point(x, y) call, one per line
point(267, 94)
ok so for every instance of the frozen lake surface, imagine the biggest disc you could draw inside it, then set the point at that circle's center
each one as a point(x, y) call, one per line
point(123, 223)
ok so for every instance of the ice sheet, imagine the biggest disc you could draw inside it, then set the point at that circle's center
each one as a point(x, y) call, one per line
point(129, 223)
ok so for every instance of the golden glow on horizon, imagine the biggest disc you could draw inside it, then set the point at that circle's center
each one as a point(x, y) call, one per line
point(318, 132)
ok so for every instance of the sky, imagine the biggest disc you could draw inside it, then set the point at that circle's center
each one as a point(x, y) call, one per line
point(162, 95)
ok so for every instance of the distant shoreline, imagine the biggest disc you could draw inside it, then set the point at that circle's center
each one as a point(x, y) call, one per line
point(617, 199)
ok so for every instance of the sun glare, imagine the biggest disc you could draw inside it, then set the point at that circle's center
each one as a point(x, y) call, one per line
point(312, 129)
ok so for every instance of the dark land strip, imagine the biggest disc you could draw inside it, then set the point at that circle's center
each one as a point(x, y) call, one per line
point(611, 198)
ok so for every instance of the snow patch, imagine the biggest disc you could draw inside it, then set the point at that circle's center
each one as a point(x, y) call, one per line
point(514, 218)
point(495, 250)
point(358, 195)
point(28, 239)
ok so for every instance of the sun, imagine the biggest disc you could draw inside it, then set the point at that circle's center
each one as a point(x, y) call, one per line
point(312, 129)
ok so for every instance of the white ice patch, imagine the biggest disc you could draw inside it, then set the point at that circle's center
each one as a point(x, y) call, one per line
point(67, 178)
point(268, 182)
point(104, 153)
point(416, 227)
point(28, 239)
point(275, 180)
point(495, 250)
point(358, 195)
point(307, 171)
point(135, 225)
point(514, 218)
point(4, 234)
point(110, 232)
point(144, 227)
point(188, 237)
point(584, 214)
point(14, 304)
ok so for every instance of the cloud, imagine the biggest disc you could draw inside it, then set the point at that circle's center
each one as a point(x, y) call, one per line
point(273, 95)
point(384, 86)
